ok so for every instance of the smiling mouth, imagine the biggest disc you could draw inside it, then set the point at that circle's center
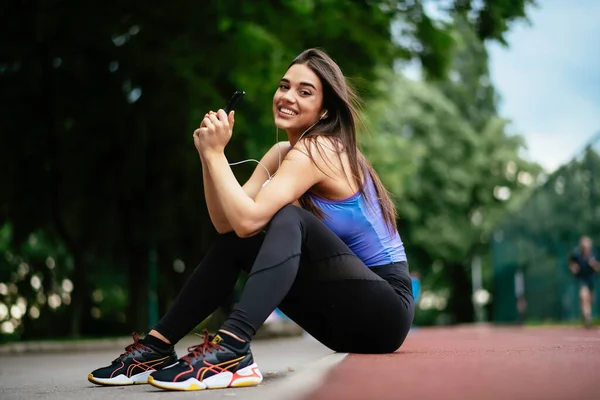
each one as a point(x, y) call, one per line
point(287, 111)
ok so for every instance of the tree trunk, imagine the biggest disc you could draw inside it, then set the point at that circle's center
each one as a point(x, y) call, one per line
point(460, 305)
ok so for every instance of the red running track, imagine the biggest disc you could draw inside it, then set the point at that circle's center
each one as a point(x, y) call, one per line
point(474, 362)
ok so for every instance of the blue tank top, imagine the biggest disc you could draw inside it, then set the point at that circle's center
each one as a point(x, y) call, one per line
point(361, 227)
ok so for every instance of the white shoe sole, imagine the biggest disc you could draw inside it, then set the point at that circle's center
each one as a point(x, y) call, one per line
point(121, 380)
point(248, 376)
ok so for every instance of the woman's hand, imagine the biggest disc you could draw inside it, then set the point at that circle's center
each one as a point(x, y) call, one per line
point(214, 133)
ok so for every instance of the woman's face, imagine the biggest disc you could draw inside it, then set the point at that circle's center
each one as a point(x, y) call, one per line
point(297, 103)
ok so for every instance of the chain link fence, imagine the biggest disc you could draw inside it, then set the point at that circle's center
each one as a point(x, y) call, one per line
point(531, 249)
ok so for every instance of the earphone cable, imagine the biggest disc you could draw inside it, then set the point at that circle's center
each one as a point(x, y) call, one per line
point(278, 152)
point(256, 161)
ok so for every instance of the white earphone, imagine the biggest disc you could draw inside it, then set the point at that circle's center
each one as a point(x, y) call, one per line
point(277, 142)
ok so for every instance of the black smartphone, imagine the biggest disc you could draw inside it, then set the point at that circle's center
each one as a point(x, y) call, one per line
point(237, 96)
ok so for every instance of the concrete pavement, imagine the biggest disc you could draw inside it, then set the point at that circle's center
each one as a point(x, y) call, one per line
point(291, 366)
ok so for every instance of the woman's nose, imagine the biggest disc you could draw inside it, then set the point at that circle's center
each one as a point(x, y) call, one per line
point(288, 96)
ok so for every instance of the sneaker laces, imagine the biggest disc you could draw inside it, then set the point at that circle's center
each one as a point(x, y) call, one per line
point(201, 349)
point(136, 345)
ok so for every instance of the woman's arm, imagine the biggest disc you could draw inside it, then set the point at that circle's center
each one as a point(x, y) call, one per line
point(217, 216)
point(271, 161)
point(254, 184)
point(297, 174)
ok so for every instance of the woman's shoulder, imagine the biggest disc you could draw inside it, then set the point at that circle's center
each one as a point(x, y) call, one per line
point(279, 148)
point(282, 145)
point(326, 154)
point(322, 145)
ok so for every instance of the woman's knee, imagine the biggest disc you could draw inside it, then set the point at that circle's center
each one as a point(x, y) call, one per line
point(289, 211)
point(288, 214)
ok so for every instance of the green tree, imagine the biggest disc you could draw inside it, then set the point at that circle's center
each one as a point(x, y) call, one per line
point(102, 99)
point(457, 171)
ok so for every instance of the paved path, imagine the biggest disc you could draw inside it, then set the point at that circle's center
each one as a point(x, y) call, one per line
point(64, 375)
point(474, 363)
point(469, 362)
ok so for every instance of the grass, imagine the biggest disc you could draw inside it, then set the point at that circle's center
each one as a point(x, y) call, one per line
point(547, 324)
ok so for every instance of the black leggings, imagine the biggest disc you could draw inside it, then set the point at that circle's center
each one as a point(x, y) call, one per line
point(302, 267)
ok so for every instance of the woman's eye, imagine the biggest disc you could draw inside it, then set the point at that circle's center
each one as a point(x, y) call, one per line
point(305, 92)
point(282, 86)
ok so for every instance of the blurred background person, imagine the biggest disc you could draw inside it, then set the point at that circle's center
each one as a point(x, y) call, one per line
point(520, 296)
point(584, 266)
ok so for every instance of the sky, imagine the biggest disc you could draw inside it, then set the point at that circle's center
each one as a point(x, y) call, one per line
point(548, 79)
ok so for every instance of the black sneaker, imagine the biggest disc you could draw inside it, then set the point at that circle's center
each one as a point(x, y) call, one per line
point(134, 366)
point(210, 365)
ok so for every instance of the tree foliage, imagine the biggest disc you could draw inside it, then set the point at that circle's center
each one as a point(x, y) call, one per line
point(457, 171)
point(102, 99)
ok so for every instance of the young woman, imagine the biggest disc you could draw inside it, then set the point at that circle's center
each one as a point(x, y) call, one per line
point(317, 234)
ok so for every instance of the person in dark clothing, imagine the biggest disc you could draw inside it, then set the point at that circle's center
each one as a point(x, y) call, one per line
point(315, 229)
point(584, 265)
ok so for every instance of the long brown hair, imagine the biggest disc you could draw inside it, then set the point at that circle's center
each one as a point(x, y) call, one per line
point(342, 105)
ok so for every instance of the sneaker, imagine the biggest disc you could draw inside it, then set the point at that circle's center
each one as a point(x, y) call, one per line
point(210, 365)
point(134, 366)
